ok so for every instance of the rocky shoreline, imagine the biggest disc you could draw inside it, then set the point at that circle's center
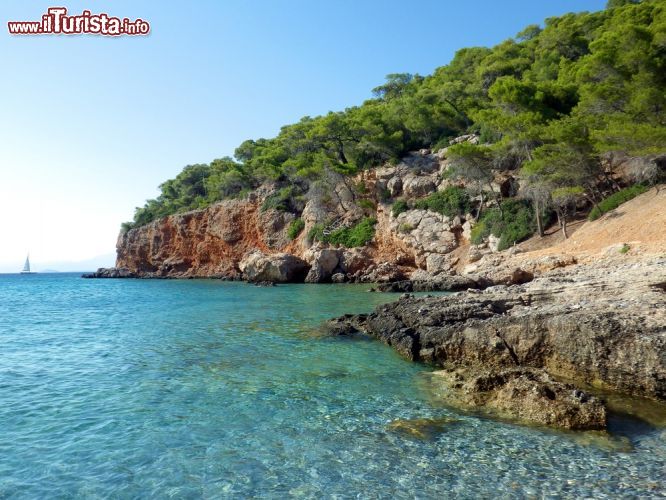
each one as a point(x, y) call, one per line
point(509, 348)
point(530, 333)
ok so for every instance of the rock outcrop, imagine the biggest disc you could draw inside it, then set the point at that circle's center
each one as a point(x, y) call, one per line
point(275, 268)
point(596, 326)
point(202, 243)
point(324, 264)
point(110, 272)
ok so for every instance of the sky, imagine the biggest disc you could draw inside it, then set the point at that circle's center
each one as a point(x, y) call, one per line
point(91, 125)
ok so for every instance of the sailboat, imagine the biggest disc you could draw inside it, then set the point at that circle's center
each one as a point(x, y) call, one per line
point(26, 266)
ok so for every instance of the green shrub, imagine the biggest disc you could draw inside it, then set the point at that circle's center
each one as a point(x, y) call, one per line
point(280, 201)
point(479, 232)
point(241, 195)
point(488, 135)
point(295, 228)
point(441, 143)
point(617, 199)
point(399, 207)
point(126, 226)
point(450, 202)
point(624, 249)
point(316, 233)
point(366, 204)
point(406, 228)
point(514, 223)
point(384, 195)
point(355, 236)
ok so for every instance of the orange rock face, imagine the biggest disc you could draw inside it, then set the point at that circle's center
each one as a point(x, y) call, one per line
point(202, 243)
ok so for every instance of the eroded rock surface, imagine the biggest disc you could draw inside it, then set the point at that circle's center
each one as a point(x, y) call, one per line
point(523, 394)
point(275, 268)
point(598, 326)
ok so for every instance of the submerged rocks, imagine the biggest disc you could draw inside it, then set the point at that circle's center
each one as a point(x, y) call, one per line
point(523, 394)
point(426, 429)
point(345, 326)
point(277, 268)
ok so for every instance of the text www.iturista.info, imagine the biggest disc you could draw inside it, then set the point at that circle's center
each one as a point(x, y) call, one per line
point(57, 22)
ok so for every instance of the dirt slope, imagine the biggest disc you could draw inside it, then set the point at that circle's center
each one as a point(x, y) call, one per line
point(640, 224)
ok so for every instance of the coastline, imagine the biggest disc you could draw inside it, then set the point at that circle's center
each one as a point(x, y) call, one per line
point(527, 330)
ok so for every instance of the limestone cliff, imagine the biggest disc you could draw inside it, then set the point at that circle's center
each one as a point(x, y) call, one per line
point(245, 238)
point(213, 242)
point(203, 243)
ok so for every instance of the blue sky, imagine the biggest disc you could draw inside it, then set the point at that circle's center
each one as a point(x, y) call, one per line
point(91, 125)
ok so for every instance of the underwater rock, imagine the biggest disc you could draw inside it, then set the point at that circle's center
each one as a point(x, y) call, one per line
point(426, 429)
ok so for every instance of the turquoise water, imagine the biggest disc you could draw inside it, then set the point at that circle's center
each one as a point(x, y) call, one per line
point(205, 389)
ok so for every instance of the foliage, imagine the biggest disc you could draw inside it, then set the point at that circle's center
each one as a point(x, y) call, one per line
point(611, 4)
point(406, 228)
point(616, 199)
point(366, 204)
point(355, 236)
point(399, 207)
point(283, 200)
point(316, 233)
point(450, 202)
point(295, 228)
point(552, 100)
point(624, 248)
point(480, 232)
point(384, 195)
point(512, 224)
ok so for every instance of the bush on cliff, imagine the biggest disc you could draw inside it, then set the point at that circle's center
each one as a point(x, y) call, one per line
point(283, 200)
point(366, 204)
point(616, 199)
point(450, 202)
point(514, 223)
point(355, 236)
point(295, 228)
point(399, 207)
point(316, 233)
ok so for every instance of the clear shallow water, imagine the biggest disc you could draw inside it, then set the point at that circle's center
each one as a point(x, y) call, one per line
point(191, 389)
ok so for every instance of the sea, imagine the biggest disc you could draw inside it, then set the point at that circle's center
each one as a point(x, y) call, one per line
point(212, 389)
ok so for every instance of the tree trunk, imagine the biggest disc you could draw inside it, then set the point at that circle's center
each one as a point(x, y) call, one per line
point(495, 198)
point(341, 154)
point(537, 213)
point(478, 212)
point(561, 222)
point(468, 122)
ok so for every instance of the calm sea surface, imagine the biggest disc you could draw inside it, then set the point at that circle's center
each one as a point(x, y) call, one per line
point(205, 389)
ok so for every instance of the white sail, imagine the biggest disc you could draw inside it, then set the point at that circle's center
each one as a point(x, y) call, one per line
point(26, 266)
